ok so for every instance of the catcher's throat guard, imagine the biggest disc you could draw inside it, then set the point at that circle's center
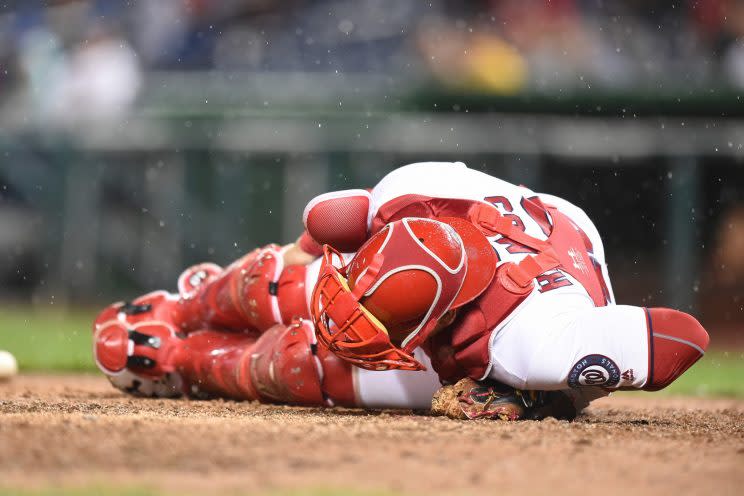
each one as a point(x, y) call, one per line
point(375, 310)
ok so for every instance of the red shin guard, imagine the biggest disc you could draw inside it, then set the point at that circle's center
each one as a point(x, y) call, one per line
point(282, 365)
point(210, 362)
point(239, 298)
point(254, 293)
point(676, 342)
point(141, 347)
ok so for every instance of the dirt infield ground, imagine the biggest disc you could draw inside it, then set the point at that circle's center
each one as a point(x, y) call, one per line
point(77, 430)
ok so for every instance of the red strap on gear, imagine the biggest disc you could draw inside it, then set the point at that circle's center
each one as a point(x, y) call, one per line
point(530, 267)
point(283, 367)
point(493, 222)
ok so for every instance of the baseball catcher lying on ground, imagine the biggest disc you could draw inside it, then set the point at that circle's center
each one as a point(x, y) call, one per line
point(441, 287)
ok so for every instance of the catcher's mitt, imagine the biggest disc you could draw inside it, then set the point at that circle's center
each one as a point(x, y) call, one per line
point(469, 399)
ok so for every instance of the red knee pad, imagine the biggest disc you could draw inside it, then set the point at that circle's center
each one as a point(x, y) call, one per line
point(243, 296)
point(676, 342)
point(283, 367)
point(287, 366)
point(196, 277)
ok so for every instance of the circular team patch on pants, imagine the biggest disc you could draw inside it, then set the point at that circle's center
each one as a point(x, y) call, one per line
point(594, 370)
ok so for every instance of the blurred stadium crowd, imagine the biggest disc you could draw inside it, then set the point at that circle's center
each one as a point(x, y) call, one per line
point(140, 136)
point(69, 53)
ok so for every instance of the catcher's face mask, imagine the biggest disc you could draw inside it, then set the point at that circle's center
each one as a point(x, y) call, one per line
point(376, 310)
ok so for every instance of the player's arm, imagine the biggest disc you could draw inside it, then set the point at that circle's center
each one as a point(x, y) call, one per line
point(611, 347)
point(346, 219)
point(304, 251)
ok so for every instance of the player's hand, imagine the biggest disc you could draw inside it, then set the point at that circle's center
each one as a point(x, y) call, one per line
point(294, 255)
point(469, 399)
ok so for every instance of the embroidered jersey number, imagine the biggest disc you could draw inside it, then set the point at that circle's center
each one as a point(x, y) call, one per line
point(510, 251)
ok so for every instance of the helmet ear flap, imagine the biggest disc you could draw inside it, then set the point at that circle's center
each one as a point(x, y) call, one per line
point(447, 319)
point(481, 260)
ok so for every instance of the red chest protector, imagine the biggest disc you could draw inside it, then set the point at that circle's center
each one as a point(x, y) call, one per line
point(462, 349)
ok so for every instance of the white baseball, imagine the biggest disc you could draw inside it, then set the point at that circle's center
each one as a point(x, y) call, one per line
point(8, 365)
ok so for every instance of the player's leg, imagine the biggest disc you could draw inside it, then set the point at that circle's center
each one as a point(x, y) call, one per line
point(285, 365)
point(281, 365)
point(252, 294)
point(396, 388)
point(214, 362)
point(114, 327)
point(255, 292)
point(140, 350)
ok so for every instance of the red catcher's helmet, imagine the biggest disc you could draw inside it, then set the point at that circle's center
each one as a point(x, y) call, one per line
point(376, 310)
